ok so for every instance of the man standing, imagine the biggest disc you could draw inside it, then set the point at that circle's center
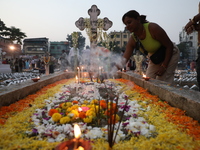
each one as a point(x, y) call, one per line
point(63, 60)
point(191, 26)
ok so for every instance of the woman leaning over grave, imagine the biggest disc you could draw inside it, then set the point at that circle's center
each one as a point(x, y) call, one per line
point(154, 42)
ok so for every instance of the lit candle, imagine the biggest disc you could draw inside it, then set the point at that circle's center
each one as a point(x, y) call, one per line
point(145, 77)
point(99, 70)
point(76, 79)
point(78, 74)
point(76, 143)
point(77, 134)
point(82, 72)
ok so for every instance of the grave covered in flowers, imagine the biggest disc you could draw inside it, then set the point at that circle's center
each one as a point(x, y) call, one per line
point(46, 119)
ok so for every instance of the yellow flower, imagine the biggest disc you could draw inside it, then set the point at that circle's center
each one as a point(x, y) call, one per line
point(75, 112)
point(84, 105)
point(56, 117)
point(90, 113)
point(85, 102)
point(75, 107)
point(65, 120)
point(94, 101)
point(69, 109)
point(66, 105)
point(117, 117)
point(87, 119)
point(59, 109)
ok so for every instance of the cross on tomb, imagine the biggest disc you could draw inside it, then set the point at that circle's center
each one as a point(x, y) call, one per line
point(94, 22)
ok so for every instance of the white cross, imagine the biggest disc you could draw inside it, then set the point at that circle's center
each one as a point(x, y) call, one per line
point(93, 12)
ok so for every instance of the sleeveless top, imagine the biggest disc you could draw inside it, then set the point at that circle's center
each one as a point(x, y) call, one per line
point(151, 45)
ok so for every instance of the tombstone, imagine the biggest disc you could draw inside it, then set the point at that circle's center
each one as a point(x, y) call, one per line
point(94, 24)
point(46, 61)
point(138, 62)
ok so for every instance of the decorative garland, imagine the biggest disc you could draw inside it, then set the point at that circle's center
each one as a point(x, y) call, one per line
point(47, 60)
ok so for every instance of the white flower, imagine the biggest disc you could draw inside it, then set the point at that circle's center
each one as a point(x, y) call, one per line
point(144, 131)
point(94, 133)
point(60, 137)
point(41, 129)
point(68, 128)
point(120, 136)
point(51, 140)
point(152, 127)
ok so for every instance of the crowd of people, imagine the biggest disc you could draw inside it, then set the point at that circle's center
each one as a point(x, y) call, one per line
point(30, 64)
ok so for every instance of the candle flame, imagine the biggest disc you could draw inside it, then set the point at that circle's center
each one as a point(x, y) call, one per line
point(76, 79)
point(77, 131)
point(144, 76)
point(80, 148)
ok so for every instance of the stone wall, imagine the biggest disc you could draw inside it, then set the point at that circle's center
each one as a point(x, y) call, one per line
point(185, 99)
point(16, 92)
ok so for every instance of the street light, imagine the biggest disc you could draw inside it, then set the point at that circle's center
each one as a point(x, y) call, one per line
point(12, 48)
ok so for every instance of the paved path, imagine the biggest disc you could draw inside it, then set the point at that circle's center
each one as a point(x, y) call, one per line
point(5, 68)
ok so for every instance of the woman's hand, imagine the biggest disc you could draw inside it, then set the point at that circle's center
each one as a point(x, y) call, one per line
point(160, 71)
point(189, 28)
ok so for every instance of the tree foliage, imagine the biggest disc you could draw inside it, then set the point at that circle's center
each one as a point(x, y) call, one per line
point(81, 41)
point(12, 34)
point(184, 49)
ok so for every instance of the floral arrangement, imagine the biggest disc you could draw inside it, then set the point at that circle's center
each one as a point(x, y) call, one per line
point(94, 36)
point(88, 107)
point(75, 37)
point(47, 58)
point(44, 119)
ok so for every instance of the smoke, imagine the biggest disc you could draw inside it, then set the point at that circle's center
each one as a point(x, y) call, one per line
point(98, 61)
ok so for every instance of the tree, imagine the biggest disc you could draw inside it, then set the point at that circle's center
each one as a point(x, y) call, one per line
point(81, 41)
point(184, 47)
point(13, 34)
point(3, 28)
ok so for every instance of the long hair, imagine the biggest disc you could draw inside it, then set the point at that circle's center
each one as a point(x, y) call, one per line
point(134, 14)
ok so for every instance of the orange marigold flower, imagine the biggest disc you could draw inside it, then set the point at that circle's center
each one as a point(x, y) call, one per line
point(103, 104)
point(52, 111)
point(75, 102)
point(82, 115)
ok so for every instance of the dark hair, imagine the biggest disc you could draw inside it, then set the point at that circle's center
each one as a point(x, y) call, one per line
point(134, 14)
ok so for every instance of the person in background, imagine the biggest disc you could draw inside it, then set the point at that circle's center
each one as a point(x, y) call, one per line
point(191, 26)
point(152, 36)
point(42, 68)
point(192, 65)
point(51, 64)
point(63, 60)
point(20, 64)
point(27, 64)
point(16, 65)
point(32, 64)
point(12, 65)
